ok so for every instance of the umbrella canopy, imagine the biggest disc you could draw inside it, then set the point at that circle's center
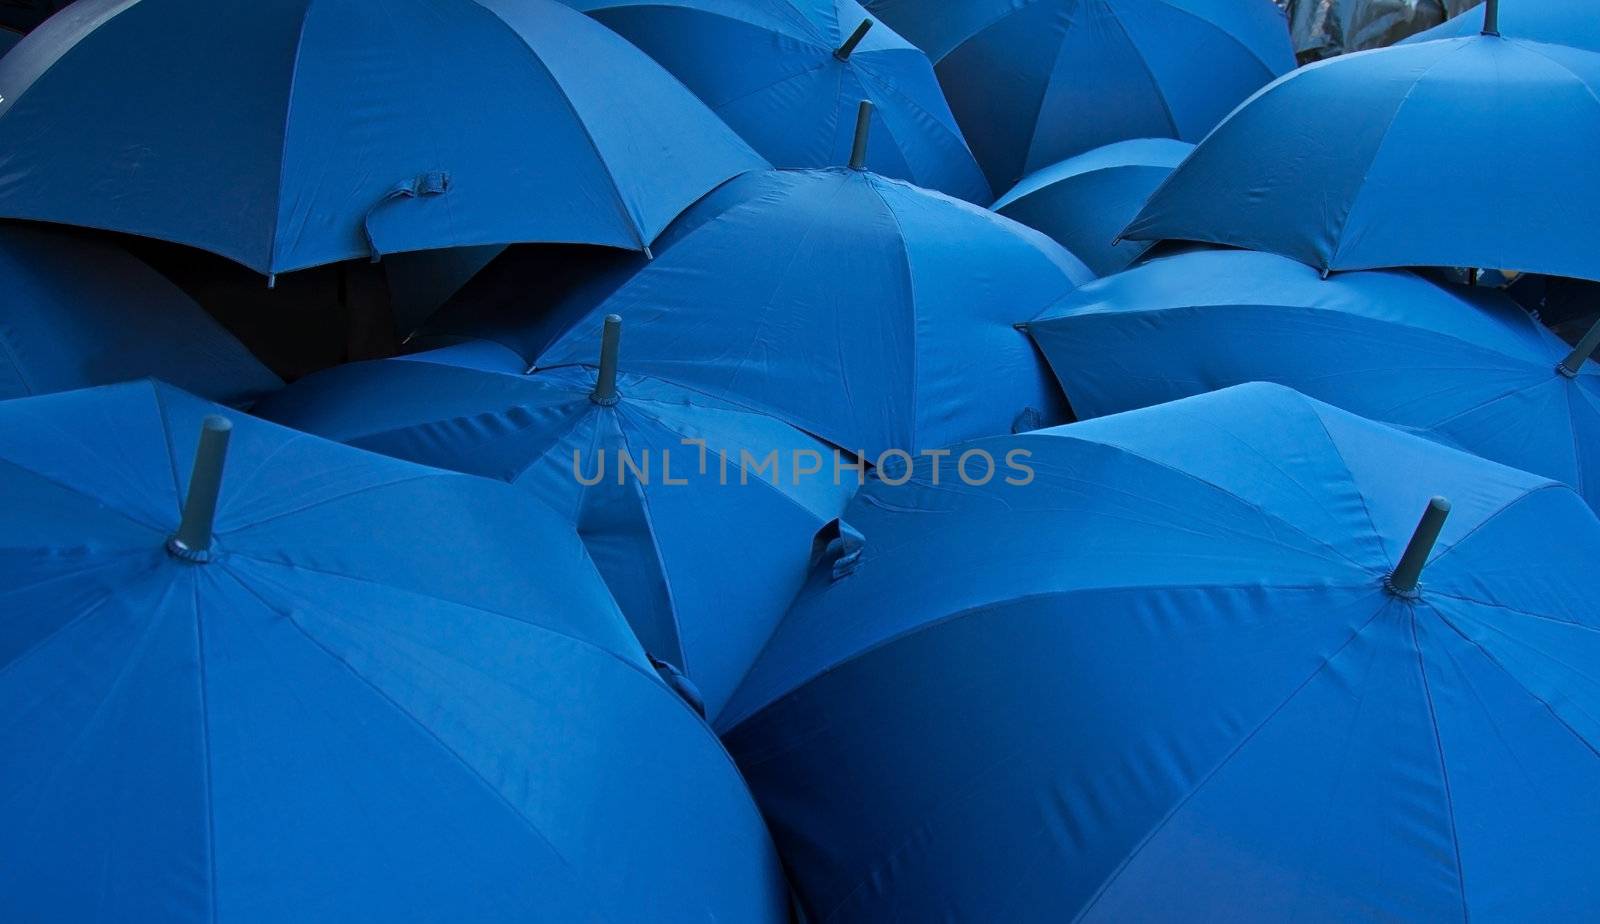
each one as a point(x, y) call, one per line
point(1084, 201)
point(1462, 152)
point(254, 153)
point(1034, 82)
point(8, 38)
point(868, 312)
point(1325, 28)
point(1192, 659)
point(349, 688)
point(702, 555)
point(787, 76)
point(1559, 22)
point(79, 312)
point(1466, 364)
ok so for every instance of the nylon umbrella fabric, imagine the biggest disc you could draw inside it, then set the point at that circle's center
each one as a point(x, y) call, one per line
point(1036, 81)
point(1084, 201)
point(1167, 672)
point(702, 553)
point(337, 130)
point(864, 311)
point(777, 72)
point(1559, 22)
point(1462, 152)
point(390, 693)
point(79, 312)
point(1466, 365)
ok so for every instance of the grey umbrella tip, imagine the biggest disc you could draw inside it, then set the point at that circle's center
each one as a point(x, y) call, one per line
point(192, 541)
point(1573, 364)
point(1491, 17)
point(1402, 581)
point(858, 150)
point(605, 387)
point(843, 51)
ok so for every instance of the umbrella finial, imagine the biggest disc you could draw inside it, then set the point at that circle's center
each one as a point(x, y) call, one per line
point(843, 51)
point(858, 152)
point(1402, 581)
point(1573, 364)
point(1491, 17)
point(192, 541)
point(605, 387)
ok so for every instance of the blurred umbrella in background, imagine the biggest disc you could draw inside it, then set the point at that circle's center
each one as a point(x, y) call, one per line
point(249, 674)
point(292, 134)
point(1471, 152)
point(8, 38)
point(702, 554)
point(24, 15)
point(1037, 81)
point(1560, 22)
point(1467, 364)
point(80, 311)
point(787, 76)
point(1220, 648)
point(1325, 28)
point(1084, 201)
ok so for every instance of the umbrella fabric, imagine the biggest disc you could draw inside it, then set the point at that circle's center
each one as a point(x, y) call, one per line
point(1166, 674)
point(79, 312)
point(769, 69)
point(392, 693)
point(292, 134)
point(865, 311)
point(1034, 82)
point(1559, 22)
point(1462, 152)
point(8, 38)
point(1084, 201)
point(1465, 364)
point(702, 560)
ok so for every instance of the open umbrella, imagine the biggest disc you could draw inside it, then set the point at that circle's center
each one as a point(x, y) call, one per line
point(8, 38)
point(79, 312)
point(1463, 152)
point(868, 312)
point(1217, 660)
point(1033, 82)
point(787, 77)
point(1325, 28)
point(1084, 201)
point(295, 681)
point(702, 552)
point(1560, 22)
point(291, 134)
point(1466, 364)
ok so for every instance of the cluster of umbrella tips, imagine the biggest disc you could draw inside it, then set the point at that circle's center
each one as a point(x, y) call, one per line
point(972, 460)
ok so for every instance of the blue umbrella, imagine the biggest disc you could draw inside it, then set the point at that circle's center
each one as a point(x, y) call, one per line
point(79, 312)
point(865, 311)
point(1560, 22)
point(1208, 664)
point(1084, 201)
point(1034, 82)
point(346, 688)
point(291, 134)
point(787, 75)
point(702, 553)
point(8, 38)
point(1463, 152)
point(1465, 364)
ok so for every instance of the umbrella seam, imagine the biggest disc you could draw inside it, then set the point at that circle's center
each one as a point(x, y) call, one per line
point(283, 141)
point(655, 545)
point(205, 743)
point(1444, 768)
point(1485, 521)
point(903, 251)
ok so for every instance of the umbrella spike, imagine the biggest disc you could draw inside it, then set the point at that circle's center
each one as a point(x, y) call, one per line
point(1491, 17)
point(858, 150)
point(605, 388)
point(1573, 364)
point(1402, 581)
point(843, 51)
point(192, 541)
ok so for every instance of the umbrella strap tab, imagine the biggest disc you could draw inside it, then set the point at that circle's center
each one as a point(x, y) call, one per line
point(422, 186)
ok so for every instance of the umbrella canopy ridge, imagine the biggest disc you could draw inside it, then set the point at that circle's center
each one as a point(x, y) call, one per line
point(292, 133)
point(1192, 659)
point(1557, 22)
point(218, 635)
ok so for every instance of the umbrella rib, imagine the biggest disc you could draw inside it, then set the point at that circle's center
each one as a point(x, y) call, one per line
point(903, 251)
point(205, 743)
point(1485, 521)
point(1444, 768)
point(283, 139)
point(655, 549)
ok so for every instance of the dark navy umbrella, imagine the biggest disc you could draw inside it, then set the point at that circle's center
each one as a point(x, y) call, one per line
point(247, 674)
point(702, 552)
point(77, 312)
point(8, 38)
point(1034, 82)
point(1084, 201)
point(865, 311)
point(1225, 659)
point(1561, 22)
point(291, 133)
point(1466, 364)
point(1462, 152)
point(787, 75)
